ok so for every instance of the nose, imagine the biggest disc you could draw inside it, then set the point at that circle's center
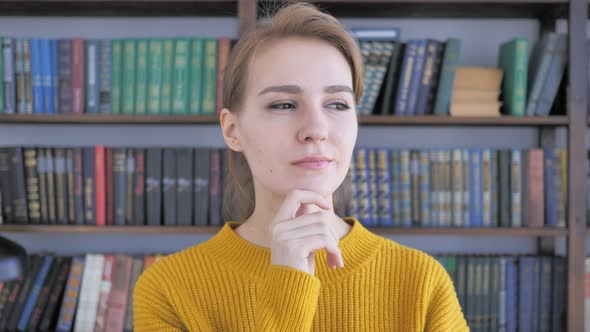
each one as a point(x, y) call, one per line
point(314, 126)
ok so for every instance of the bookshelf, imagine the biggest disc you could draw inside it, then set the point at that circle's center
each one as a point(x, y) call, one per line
point(546, 11)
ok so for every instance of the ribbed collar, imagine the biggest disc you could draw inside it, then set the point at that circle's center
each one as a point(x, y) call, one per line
point(231, 250)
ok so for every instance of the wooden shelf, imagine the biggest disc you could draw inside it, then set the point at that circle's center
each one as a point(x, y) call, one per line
point(119, 8)
point(212, 119)
point(523, 232)
point(545, 9)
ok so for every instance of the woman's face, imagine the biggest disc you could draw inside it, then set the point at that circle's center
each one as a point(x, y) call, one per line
point(297, 125)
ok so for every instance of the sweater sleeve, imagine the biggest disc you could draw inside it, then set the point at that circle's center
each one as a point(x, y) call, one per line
point(152, 310)
point(288, 300)
point(444, 311)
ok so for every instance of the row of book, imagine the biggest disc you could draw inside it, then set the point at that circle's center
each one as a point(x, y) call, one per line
point(119, 76)
point(509, 293)
point(91, 292)
point(476, 187)
point(111, 185)
point(418, 76)
point(94, 292)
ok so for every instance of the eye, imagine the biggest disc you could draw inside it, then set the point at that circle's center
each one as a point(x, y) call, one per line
point(282, 106)
point(339, 106)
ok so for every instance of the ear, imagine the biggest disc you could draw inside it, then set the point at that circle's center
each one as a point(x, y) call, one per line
point(229, 130)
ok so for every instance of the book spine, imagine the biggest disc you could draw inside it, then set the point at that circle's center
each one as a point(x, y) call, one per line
point(180, 81)
point(550, 188)
point(215, 188)
point(139, 188)
point(425, 185)
point(44, 293)
point(78, 76)
point(487, 187)
point(105, 67)
point(169, 187)
point(9, 86)
point(554, 77)
point(71, 296)
point(105, 290)
point(27, 77)
point(196, 76)
point(34, 293)
point(141, 82)
point(374, 210)
point(447, 76)
point(153, 186)
point(407, 68)
point(42, 175)
point(538, 73)
point(55, 293)
point(19, 202)
point(51, 189)
point(116, 75)
point(92, 80)
point(99, 178)
point(19, 78)
point(184, 187)
point(135, 271)
point(119, 191)
point(78, 187)
point(32, 180)
point(70, 187)
point(209, 81)
point(155, 63)
point(61, 186)
point(415, 186)
point(384, 187)
point(65, 76)
point(201, 164)
point(128, 79)
point(417, 72)
point(129, 186)
point(457, 188)
point(167, 73)
point(89, 293)
point(89, 186)
point(475, 188)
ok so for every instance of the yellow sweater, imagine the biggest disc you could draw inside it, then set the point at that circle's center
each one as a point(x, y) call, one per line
point(228, 284)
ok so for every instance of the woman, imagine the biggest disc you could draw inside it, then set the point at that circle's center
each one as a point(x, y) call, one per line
point(292, 264)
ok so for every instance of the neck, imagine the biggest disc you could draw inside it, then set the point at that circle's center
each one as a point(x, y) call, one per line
point(256, 228)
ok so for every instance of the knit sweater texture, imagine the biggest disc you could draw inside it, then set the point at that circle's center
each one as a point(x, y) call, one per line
point(228, 284)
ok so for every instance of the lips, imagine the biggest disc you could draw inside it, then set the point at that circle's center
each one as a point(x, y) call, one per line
point(313, 162)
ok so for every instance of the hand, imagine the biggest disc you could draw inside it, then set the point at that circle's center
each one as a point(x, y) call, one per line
point(296, 232)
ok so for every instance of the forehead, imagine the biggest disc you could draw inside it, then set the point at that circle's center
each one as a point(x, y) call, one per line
point(300, 61)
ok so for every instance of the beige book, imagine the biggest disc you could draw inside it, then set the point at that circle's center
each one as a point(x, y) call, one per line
point(475, 96)
point(478, 78)
point(476, 109)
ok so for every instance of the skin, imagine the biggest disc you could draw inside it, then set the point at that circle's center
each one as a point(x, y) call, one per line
point(298, 102)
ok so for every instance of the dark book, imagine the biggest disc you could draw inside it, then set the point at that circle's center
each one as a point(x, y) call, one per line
point(5, 293)
point(51, 310)
point(70, 187)
point(6, 184)
point(436, 74)
point(184, 188)
point(139, 187)
point(78, 187)
point(558, 295)
point(504, 167)
point(129, 186)
point(17, 308)
point(32, 180)
point(119, 184)
point(427, 78)
point(60, 182)
point(391, 80)
point(89, 186)
point(33, 296)
point(15, 289)
point(42, 175)
point(215, 188)
point(201, 165)
point(153, 186)
point(19, 192)
point(136, 270)
point(48, 285)
point(65, 76)
point(169, 186)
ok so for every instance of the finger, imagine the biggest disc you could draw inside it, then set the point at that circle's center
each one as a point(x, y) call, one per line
point(317, 242)
point(293, 202)
point(321, 217)
point(315, 228)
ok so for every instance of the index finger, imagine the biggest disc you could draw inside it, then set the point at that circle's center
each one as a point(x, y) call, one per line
point(295, 199)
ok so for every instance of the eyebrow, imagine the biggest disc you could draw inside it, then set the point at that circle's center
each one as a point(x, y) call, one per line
point(295, 89)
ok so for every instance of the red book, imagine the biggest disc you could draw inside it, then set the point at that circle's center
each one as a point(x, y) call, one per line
point(533, 188)
point(119, 293)
point(78, 75)
point(110, 211)
point(99, 186)
point(223, 50)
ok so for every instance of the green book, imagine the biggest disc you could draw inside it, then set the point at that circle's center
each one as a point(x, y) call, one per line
point(128, 86)
point(155, 62)
point(196, 75)
point(181, 76)
point(116, 75)
point(141, 78)
point(209, 77)
point(513, 59)
point(167, 68)
point(447, 76)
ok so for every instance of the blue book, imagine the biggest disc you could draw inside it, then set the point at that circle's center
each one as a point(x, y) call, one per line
point(466, 185)
point(362, 171)
point(34, 293)
point(545, 294)
point(434, 188)
point(558, 295)
point(549, 178)
point(405, 188)
point(417, 72)
point(403, 90)
point(538, 69)
point(426, 83)
point(526, 296)
point(46, 75)
point(475, 187)
point(512, 269)
point(384, 187)
point(516, 187)
point(36, 82)
point(396, 185)
point(554, 77)
point(54, 76)
point(425, 219)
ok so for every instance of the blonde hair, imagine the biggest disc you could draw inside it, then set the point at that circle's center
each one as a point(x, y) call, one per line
point(293, 20)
